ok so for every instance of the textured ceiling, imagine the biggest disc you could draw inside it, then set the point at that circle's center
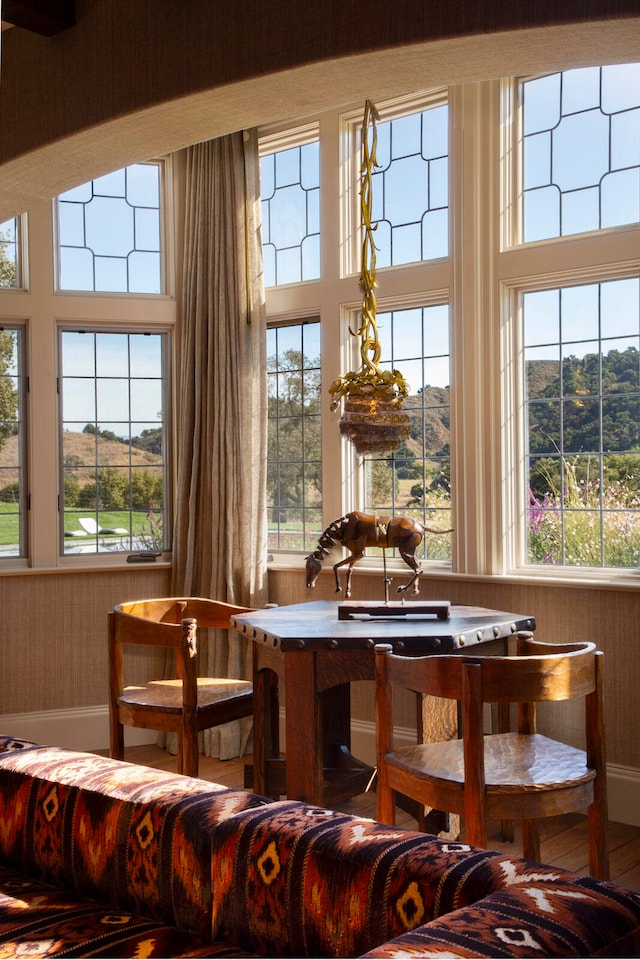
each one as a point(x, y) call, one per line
point(131, 80)
point(46, 17)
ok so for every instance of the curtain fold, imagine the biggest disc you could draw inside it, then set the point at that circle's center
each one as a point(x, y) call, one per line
point(220, 528)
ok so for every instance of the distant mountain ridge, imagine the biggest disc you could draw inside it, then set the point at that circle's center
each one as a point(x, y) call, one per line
point(437, 428)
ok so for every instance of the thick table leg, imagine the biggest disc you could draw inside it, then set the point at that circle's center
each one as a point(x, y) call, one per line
point(304, 749)
point(265, 728)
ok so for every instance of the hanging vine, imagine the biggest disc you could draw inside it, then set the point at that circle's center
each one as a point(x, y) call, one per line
point(370, 380)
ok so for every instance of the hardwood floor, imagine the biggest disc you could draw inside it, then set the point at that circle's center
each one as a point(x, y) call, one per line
point(564, 839)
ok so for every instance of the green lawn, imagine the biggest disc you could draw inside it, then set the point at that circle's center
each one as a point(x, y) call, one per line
point(137, 523)
point(8, 524)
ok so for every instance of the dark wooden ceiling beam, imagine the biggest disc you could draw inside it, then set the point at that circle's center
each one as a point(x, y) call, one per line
point(46, 17)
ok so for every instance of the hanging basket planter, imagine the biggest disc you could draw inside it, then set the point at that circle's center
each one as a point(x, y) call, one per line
point(372, 416)
point(374, 426)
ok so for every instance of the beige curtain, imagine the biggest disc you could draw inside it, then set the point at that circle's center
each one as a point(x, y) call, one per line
point(219, 545)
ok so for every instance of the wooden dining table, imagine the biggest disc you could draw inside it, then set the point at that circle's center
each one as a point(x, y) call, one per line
point(315, 650)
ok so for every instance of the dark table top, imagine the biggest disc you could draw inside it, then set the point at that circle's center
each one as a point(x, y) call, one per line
point(316, 626)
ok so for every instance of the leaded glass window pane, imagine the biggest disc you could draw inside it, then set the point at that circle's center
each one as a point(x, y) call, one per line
point(13, 493)
point(581, 151)
point(290, 185)
point(9, 253)
point(411, 188)
point(109, 233)
point(415, 480)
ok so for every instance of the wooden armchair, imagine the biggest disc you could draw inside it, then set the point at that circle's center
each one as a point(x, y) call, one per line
point(502, 776)
point(184, 705)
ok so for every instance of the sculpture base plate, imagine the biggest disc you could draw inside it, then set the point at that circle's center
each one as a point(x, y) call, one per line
point(394, 608)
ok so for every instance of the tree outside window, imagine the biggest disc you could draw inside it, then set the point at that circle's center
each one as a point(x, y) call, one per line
point(294, 470)
point(12, 493)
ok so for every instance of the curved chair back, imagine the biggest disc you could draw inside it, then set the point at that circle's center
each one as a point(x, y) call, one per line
point(505, 775)
point(539, 672)
point(187, 704)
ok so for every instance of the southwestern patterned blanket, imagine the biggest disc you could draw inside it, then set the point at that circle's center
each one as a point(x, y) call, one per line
point(100, 858)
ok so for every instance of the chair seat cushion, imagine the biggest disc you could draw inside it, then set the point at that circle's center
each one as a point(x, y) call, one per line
point(529, 763)
point(168, 693)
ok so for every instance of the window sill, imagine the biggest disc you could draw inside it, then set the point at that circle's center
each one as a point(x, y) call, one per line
point(564, 578)
point(85, 567)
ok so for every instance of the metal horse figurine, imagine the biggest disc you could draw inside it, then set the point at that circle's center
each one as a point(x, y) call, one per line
point(356, 531)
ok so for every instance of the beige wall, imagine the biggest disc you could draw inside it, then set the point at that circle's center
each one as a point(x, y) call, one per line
point(53, 652)
point(53, 641)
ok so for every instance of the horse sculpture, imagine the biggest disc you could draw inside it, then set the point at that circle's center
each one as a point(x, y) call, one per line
point(357, 531)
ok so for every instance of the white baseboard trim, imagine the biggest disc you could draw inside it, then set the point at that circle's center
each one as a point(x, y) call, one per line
point(623, 790)
point(83, 729)
point(88, 729)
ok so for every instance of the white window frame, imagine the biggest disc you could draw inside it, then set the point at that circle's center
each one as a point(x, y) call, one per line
point(167, 486)
point(596, 256)
point(22, 263)
point(167, 274)
point(43, 309)
point(515, 402)
point(482, 279)
point(351, 147)
point(282, 137)
point(357, 478)
point(21, 327)
point(336, 299)
point(280, 323)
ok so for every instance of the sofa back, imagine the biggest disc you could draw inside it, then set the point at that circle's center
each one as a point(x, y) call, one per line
point(295, 880)
point(131, 836)
point(323, 884)
point(287, 879)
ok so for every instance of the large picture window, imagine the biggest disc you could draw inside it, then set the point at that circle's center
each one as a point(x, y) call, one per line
point(581, 425)
point(522, 362)
point(113, 400)
point(582, 413)
point(411, 225)
point(507, 231)
point(85, 372)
